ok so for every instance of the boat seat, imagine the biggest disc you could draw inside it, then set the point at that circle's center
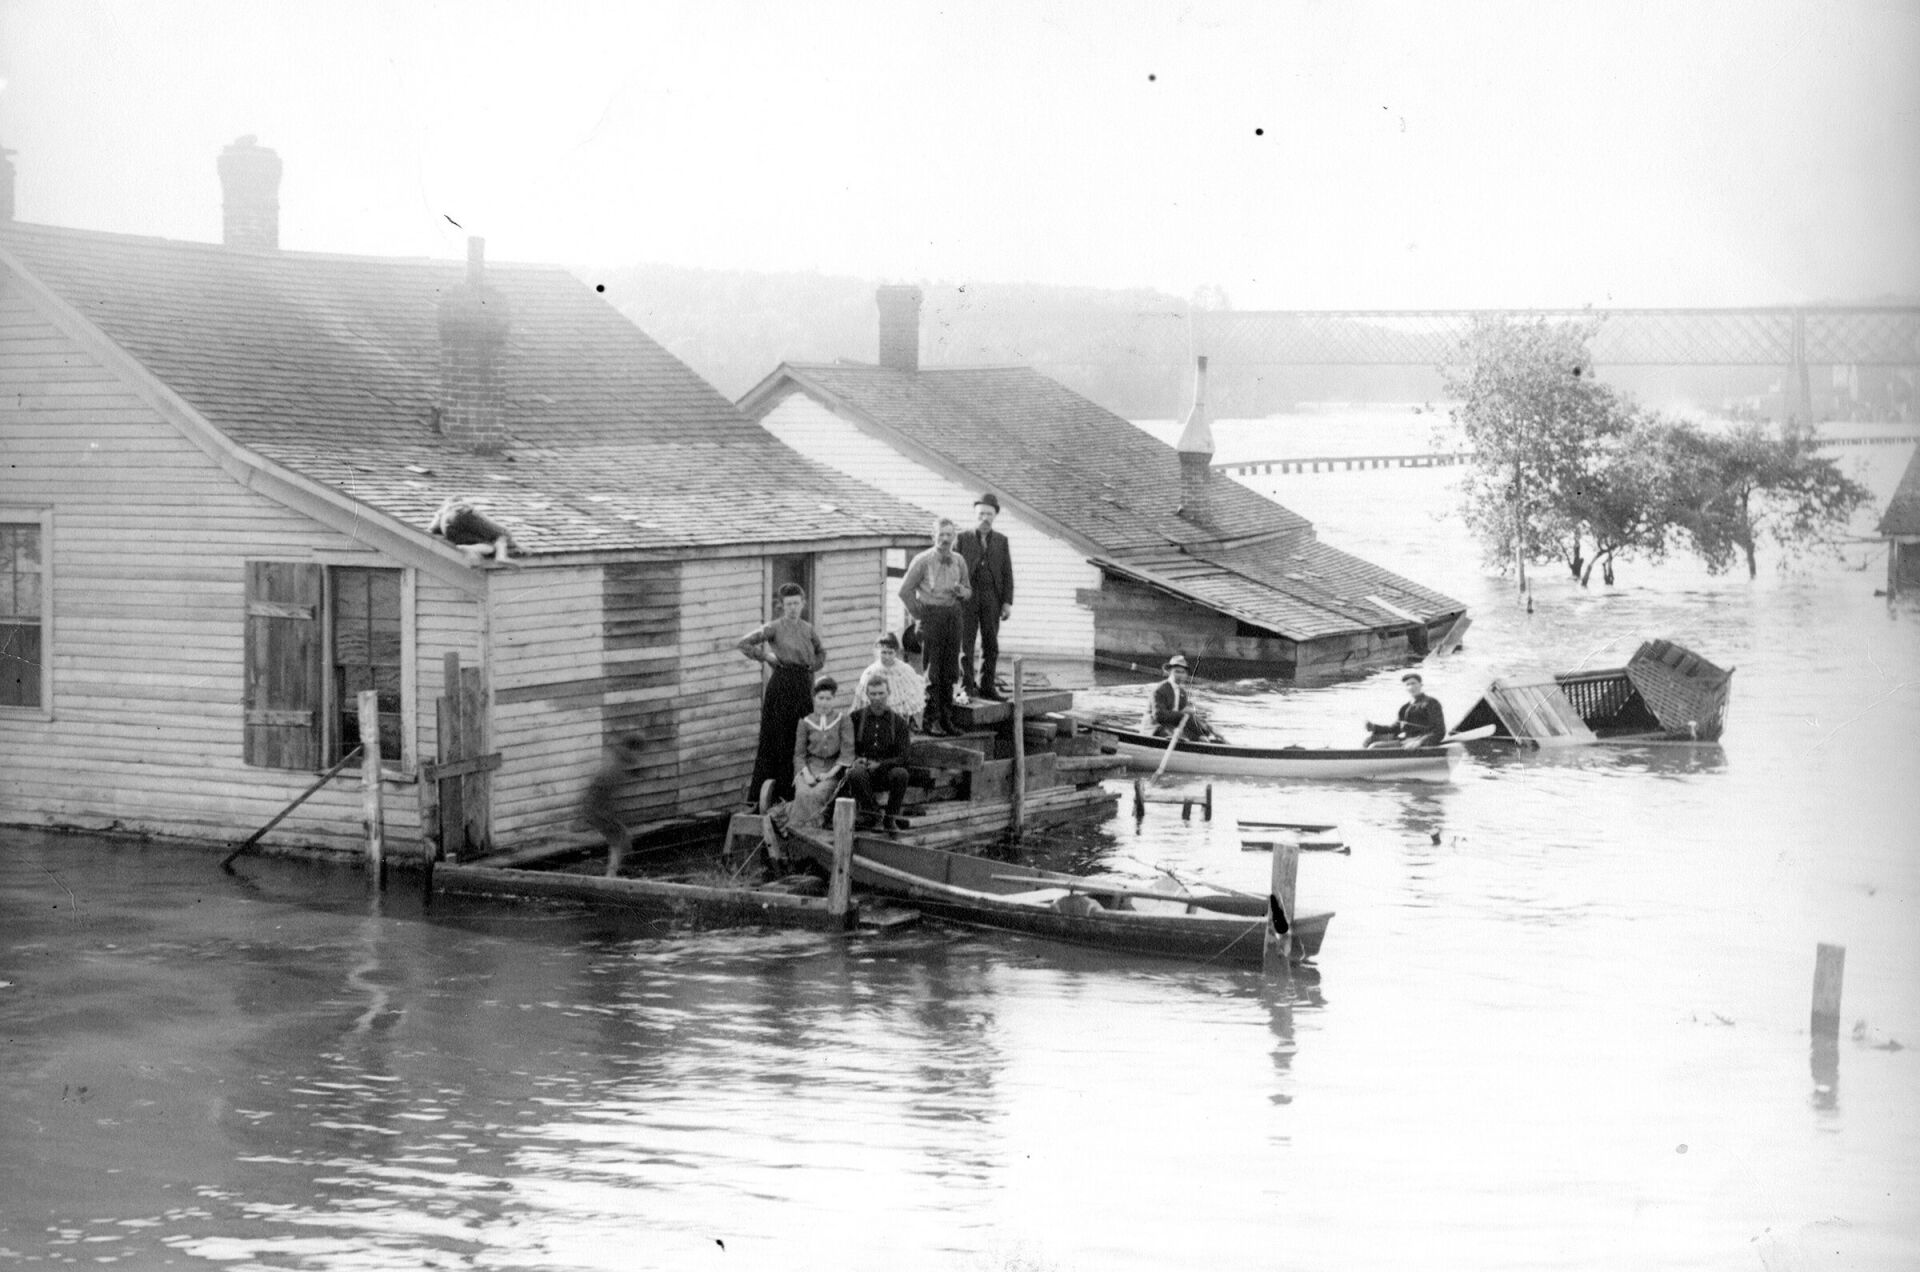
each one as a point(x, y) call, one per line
point(1035, 896)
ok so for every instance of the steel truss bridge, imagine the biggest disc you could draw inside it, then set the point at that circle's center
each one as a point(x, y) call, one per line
point(1789, 338)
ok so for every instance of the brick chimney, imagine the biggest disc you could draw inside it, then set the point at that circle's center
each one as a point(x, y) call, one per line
point(473, 338)
point(1196, 454)
point(899, 327)
point(250, 186)
point(6, 185)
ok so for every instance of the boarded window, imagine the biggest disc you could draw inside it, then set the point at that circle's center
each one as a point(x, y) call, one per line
point(366, 655)
point(791, 569)
point(22, 615)
point(283, 674)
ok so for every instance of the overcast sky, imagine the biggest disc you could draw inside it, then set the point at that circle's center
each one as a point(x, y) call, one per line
point(1295, 154)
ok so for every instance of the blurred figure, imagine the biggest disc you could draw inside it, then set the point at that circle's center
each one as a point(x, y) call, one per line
point(601, 806)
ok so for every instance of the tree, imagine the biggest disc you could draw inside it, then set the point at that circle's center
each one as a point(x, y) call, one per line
point(1548, 475)
point(1735, 486)
point(1624, 501)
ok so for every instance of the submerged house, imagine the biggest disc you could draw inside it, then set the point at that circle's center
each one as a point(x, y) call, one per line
point(1126, 550)
point(1900, 527)
point(221, 463)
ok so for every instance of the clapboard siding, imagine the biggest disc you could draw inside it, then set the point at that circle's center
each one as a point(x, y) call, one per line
point(717, 741)
point(148, 554)
point(1047, 619)
point(547, 675)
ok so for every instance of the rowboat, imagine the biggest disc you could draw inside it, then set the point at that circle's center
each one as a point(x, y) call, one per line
point(1211, 925)
point(1420, 763)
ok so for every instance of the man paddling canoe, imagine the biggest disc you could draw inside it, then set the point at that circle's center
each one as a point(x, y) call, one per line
point(1173, 703)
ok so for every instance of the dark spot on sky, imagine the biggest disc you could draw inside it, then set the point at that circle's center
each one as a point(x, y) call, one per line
point(599, 287)
point(1151, 77)
point(455, 224)
point(1259, 132)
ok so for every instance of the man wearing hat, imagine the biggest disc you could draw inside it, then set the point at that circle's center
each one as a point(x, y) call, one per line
point(1172, 703)
point(1421, 722)
point(990, 569)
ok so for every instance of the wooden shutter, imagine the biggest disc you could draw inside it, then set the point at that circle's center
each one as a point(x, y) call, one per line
point(283, 675)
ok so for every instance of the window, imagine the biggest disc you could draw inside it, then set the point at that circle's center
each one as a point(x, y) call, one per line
point(790, 569)
point(366, 655)
point(23, 608)
point(316, 638)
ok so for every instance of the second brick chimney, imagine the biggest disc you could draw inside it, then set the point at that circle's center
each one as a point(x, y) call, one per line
point(899, 327)
point(1196, 454)
point(250, 186)
point(473, 338)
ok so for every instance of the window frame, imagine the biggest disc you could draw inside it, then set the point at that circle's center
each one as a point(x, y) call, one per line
point(327, 742)
point(41, 517)
point(333, 743)
point(768, 606)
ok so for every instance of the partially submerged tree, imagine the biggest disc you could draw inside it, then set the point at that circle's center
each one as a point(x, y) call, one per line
point(1566, 469)
point(1735, 486)
point(1541, 428)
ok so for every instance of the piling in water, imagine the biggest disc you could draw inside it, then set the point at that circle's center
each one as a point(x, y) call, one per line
point(1829, 963)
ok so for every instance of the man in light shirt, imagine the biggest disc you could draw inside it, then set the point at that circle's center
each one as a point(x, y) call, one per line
point(935, 588)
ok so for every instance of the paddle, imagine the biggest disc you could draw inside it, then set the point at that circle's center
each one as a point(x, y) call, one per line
point(1225, 903)
point(1178, 730)
point(1316, 827)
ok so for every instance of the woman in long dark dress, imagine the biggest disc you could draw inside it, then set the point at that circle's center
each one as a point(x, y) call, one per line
point(790, 646)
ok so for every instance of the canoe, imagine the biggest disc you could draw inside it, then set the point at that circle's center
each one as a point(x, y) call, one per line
point(1129, 916)
point(1421, 763)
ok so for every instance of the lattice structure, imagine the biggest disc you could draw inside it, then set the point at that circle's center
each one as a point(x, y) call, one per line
point(1859, 335)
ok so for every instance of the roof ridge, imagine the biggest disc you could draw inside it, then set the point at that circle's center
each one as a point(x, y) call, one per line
point(267, 254)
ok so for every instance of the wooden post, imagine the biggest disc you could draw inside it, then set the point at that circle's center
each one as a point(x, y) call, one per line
point(1286, 867)
point(453, 819)
point(1829, 962)
point(840, 880)
point(1139, 799)
point(370, 786)
point(1019, 750)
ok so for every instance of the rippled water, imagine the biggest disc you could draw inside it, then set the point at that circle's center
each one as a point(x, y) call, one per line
point(1560, 1020)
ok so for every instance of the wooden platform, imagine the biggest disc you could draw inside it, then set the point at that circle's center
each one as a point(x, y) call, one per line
point(693, 902)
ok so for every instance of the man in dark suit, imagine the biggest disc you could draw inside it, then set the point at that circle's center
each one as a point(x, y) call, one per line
point(881, 740)
point(990, 569)
point(1420, 722)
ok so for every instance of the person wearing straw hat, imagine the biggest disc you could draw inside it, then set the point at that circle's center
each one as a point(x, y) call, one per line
point(1172, 707)
point(1420, 722)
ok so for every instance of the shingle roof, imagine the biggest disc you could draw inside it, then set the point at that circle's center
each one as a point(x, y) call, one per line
point(1902, 516)
point(330, 366)
point(1039, 442)
point(1095, 474)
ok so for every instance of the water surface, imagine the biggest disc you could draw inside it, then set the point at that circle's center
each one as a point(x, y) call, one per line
point(1560, 1019)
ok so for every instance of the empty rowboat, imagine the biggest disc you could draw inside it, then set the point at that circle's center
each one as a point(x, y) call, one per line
point(1215, 926)
point(1423, 763)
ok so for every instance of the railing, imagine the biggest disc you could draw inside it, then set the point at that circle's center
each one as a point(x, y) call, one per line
point(1447, 459)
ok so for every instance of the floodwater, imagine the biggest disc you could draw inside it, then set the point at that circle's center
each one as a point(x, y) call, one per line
point(1561, 1019)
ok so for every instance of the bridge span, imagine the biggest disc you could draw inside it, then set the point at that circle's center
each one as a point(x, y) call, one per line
point(1793, 339)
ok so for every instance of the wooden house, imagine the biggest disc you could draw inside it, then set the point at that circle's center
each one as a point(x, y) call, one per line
point(1126, 550)
point(221, 464)
point(1900, 527)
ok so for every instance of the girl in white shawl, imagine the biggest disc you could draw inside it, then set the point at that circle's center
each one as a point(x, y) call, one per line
point(906, 688)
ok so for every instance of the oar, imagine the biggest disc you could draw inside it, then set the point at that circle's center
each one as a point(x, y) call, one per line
point(1224, 902)
point(1178, 731)
point(1316, 827)
point(280, 816)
